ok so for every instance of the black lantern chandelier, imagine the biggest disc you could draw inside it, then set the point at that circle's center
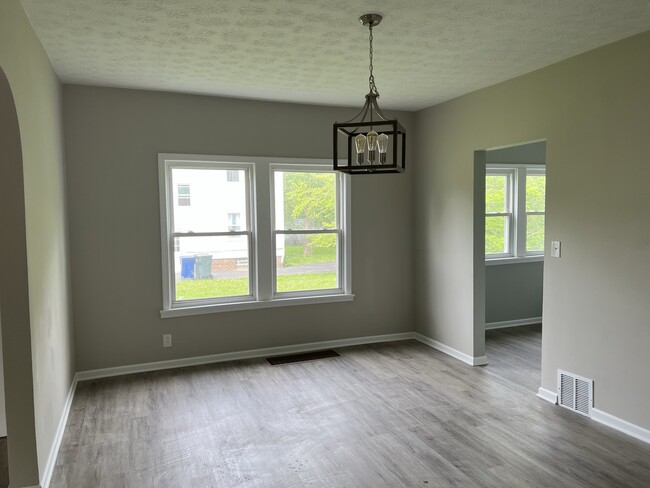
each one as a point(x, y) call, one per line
point(373, 142)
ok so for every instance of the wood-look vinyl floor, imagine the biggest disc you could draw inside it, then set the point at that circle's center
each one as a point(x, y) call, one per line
point(386, 415)
point(515, 354)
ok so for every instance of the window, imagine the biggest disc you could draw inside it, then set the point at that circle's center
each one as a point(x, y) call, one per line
point(514, 211)
point(232, 175)
point(275, 236)
point(306, 231)
point(535, 210)
point(183, 195)
point(202, 257)
point(498, 212)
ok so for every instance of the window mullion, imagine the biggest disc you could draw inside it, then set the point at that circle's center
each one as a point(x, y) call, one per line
point(264, 245)
point(511, 219)
point(520, 213)
point(344, 198)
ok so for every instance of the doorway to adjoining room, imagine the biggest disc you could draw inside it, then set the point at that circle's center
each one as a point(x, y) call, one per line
point(514, 196)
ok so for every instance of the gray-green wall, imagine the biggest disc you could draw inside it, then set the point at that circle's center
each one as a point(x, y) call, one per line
point(112, 140)
point(35, 304)
point(593, 111)
point(513, 292)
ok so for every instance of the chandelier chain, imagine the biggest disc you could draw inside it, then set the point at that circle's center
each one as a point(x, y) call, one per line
point(371, 79)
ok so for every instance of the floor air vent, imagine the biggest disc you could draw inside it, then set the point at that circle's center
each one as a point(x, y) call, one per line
point(307, 356)
point(575, 392)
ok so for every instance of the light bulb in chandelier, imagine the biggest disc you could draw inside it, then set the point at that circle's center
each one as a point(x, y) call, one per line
point(360, 145)
point(382, 145)
point(372, 146)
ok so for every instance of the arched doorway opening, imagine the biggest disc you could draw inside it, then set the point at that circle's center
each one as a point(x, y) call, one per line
point(18, 460)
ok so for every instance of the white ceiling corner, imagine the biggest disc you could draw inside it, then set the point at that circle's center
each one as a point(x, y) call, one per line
point(314, 51)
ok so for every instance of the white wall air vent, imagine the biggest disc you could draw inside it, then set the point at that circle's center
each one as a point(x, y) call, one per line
point(575, 392)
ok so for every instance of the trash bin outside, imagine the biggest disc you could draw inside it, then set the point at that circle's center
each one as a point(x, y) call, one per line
point(187, 267)
point(204, 267)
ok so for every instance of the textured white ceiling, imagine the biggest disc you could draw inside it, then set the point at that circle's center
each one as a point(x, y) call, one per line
point(315, 51)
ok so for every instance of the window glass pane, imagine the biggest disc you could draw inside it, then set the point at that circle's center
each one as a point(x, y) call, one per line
point(214, 199)
point(305, 200)
point(234, 175)
point(211, 267)
point(534, 233)
point(535, 192)
point(496, 235)
point(496, 187)
point(306, 262)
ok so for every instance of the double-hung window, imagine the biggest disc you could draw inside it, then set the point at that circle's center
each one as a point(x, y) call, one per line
point(201, 246)
point(499, 216)
point(307, 231)
point(514, 212)
point(259, 232)
point(535, 210)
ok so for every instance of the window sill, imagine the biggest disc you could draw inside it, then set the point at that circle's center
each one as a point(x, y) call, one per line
point(232, 307)
point(513, 260)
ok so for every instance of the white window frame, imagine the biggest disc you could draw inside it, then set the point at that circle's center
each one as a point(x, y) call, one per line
point(532, 170)
point(260, 198)
point(516, 230)
point(509, 210)
point(338, 230)
point(168, 235)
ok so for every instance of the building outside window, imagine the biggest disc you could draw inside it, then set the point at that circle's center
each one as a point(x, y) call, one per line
point(234, 220)
point(183, 195)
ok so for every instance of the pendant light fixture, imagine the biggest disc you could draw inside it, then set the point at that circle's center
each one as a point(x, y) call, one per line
point(372, 142)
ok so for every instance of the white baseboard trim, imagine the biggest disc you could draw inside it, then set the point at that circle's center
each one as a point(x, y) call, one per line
point(480, 361)
point(58, 437)
point(621, 425)
point(233, 356)
point(455, 353)
point(548, 395)
point(513, 323)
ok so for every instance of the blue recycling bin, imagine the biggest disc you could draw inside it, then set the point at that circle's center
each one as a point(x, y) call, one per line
point(187, 267)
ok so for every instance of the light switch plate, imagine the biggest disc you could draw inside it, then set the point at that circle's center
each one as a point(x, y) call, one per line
point(555, 249)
